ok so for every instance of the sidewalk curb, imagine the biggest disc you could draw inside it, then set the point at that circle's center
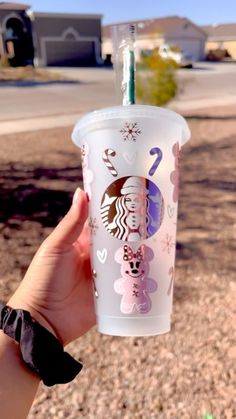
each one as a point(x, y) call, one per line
point(34, 124)
point(40, 123)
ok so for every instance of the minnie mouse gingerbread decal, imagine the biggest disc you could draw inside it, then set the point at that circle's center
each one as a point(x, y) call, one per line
point(135, 286)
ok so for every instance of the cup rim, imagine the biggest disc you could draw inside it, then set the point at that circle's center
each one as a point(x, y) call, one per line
point(128, 111)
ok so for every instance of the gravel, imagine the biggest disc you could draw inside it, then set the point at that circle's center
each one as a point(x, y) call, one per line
point(187, 373)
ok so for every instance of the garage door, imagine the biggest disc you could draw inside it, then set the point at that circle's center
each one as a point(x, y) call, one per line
point(70, 53)
point(194, 47)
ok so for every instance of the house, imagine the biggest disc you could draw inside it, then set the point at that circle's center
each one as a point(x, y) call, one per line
point(49, 39)
point(16, 34)
point(67, 39)
point(221, 37)
point(173, 30)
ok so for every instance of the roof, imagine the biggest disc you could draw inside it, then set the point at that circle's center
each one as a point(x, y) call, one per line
point(161, 25)
point(13, 6)
point(67, 15)
point(226, 30)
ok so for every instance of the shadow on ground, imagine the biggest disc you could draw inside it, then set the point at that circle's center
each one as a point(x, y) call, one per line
point(35, 83)
point(207, 205)
point(22, 198)
point(34, 194)
point(205, 117)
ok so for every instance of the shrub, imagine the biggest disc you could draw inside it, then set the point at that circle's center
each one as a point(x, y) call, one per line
point(4, 62)
point(156, 84)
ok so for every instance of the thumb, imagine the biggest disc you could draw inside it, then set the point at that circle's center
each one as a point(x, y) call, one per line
point(70, 227)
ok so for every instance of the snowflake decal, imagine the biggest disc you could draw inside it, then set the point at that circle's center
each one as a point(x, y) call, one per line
point(93, 225)
point(84, 155)
point(94, 276)
point(174, 176)
point(168, 243)
point(130, 131)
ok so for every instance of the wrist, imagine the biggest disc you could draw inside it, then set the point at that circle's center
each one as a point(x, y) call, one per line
point(18, 383)
point(39, 349)
point(10, 352)
point(18, 302)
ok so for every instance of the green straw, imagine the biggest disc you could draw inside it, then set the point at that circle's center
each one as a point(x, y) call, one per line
point(129, 69)
point(124, 61)
point(131, 79)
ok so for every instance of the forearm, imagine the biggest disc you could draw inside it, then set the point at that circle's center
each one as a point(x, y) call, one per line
point(18, 385)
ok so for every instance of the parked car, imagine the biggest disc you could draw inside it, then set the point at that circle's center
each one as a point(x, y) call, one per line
point(218, 54)
point(182, 58)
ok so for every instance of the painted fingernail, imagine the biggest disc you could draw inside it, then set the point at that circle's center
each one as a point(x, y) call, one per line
point(76, 196)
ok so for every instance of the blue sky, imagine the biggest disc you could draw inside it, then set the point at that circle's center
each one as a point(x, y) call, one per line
point(200, 11)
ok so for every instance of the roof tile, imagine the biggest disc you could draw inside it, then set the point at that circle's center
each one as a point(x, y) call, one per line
point(13, 6)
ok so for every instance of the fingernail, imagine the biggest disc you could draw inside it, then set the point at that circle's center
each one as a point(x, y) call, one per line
point(76, 196)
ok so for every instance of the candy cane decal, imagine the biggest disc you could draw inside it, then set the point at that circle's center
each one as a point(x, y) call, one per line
point(107, 153)
point(172, 277)
point(158, 152)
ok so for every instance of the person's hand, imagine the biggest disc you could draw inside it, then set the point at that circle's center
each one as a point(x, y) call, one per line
point(57, 288)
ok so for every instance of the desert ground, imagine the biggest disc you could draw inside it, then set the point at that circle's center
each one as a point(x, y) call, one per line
point(188, 373)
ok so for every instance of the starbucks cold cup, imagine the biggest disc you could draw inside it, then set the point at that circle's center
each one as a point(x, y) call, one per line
point(130, 160)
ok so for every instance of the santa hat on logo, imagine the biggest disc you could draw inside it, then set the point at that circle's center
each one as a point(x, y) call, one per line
point(134, 185)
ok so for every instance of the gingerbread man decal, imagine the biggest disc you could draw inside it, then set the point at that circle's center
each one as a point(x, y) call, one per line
point(135, 286)
point(87, 173)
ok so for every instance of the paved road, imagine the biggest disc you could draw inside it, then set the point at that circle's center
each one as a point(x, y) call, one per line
point(30, 107)
point(94, 89)
point(207, 82)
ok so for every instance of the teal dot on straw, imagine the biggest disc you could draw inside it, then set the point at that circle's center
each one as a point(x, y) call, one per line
point(208, 416)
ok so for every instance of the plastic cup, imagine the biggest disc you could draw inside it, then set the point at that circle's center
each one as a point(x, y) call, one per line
point(130, 161)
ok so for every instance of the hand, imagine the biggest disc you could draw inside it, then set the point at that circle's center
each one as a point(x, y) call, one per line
point(57, 289)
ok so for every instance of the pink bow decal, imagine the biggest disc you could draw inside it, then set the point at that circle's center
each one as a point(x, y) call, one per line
point(130, 255)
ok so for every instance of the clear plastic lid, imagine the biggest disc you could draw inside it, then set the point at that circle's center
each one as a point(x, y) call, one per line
point(91, 120)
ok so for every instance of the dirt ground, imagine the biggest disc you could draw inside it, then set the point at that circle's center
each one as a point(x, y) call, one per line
point(185, 374)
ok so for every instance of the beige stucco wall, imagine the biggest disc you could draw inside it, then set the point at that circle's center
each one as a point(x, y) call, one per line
point(186, 36)
point(106, 47)
point(148, 43)
point(142, 43)
point(229, 45)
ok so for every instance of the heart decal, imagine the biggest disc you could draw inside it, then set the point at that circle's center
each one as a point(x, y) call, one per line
point(170, 211)
point(102, 255)
point(130, 157)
